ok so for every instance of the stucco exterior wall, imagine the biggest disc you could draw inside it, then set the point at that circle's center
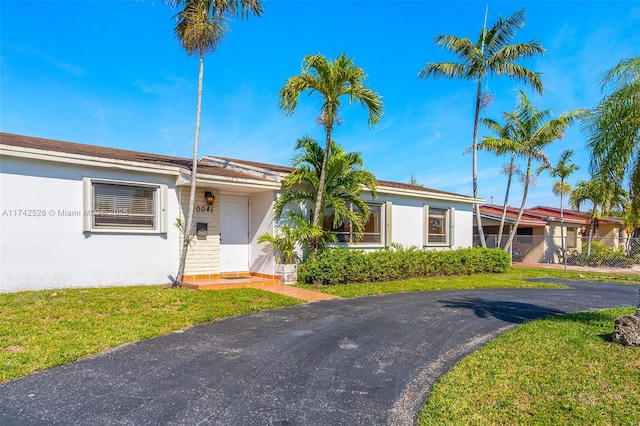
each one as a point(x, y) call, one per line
point(408, 221)
point(41, 231)
point(260, 221)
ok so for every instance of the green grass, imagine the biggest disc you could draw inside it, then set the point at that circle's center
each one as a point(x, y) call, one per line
point(42, 329)
point(513, 278)
point(563, 370)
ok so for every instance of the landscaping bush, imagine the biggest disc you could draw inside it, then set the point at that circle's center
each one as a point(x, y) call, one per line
point(343, 266)
point(600, 255)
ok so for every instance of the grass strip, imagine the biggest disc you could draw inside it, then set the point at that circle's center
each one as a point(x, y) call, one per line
point(562, 370)
point(42, 329)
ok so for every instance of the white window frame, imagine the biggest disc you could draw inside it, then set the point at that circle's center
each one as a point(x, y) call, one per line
point(449, 227)
point(160, 207)
point(385, 228)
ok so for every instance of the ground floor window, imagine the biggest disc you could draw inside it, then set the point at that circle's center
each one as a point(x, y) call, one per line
point(572, 237)
point(124, 206)
point(438, 226)
point(525, 235)
point(373, 229)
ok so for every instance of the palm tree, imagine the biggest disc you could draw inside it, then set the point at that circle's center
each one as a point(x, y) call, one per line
point(531, 131)
point(613, 127)
point(631, 223)
point(345, 178)
point(563, 169)
point(332, 81)
point(604, 194)
point(200, 27)
point(490, 55)
point(504, 133)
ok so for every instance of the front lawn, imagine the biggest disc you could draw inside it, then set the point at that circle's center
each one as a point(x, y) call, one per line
point(559, 371)
point(42, 329)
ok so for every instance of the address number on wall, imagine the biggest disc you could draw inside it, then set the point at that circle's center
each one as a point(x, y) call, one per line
point(203, 209)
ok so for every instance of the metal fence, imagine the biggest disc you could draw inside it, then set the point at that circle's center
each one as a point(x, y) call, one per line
point(597, 252)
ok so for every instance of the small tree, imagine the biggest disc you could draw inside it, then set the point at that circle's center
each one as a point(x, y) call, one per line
point(331, 80)
point(563, 169)
point(531, 131)
point(284, 243)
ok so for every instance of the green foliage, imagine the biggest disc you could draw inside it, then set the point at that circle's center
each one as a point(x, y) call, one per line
point(345, 266)
point(600, 254)
point(284, 244)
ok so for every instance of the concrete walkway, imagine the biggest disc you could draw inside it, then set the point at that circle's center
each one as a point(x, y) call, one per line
point(363, 361)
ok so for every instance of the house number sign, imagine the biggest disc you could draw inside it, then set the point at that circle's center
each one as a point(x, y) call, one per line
point(203, 209)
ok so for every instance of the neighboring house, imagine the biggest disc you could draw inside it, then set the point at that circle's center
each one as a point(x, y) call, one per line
point(75, 215)
point(539, 231)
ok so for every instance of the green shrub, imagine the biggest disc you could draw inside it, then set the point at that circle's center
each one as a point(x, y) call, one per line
point(601, 254)
point(342, 265)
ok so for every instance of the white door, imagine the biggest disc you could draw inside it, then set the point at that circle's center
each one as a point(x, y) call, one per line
point(234, 233)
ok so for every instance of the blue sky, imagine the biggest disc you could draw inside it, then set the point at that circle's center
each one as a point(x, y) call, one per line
point(112, 73)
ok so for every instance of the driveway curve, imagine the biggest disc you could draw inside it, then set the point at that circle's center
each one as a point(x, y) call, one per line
point(364, 361)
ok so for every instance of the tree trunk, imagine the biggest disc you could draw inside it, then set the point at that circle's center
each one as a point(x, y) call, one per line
point(323, 176)
point(524, 201)
point(506, 200)
point(194, 172)
point(475, 164)
point(562, 240)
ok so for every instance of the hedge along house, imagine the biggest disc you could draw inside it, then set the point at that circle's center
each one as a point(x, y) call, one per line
point(75, 215)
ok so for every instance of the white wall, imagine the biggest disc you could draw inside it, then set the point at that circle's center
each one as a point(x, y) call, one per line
point(261, 221)
point(407, 220)
point(51, 250)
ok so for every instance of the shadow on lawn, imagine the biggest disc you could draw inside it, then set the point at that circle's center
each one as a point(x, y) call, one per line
point(513, 312)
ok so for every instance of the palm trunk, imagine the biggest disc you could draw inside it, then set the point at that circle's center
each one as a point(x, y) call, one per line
point(562, 240)
point(483, 243)
point(194, 172)
point(323, 176)
point(524, 201)
point(506, 200)
point(591, 229)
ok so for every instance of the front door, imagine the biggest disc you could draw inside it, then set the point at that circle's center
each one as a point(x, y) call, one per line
point(234, 233)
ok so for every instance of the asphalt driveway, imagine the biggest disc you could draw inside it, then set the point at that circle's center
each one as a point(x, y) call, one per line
point(364, 361)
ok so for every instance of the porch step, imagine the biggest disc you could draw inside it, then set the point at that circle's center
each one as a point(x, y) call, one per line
point(230, 283)
point(274, 285)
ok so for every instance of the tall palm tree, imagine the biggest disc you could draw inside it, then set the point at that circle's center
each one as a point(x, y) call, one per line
point(331, 80)
point(490, 55)
point(563, 169)
point(613, 127)
point(531, 131)
point(200, 27)
point(604, 194)
point(345, 178)
point(504, 133)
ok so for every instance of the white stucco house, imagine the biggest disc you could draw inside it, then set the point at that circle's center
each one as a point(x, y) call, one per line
point(76, 215)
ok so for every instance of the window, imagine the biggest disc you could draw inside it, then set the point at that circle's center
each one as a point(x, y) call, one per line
point(438, 226)
point(124, 206)
point(373, 229)
point(572, 237)
point(525, 235)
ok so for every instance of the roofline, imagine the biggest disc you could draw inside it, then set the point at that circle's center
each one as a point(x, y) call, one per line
point(182, 178)
point(86, 160)
point(431, 194)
